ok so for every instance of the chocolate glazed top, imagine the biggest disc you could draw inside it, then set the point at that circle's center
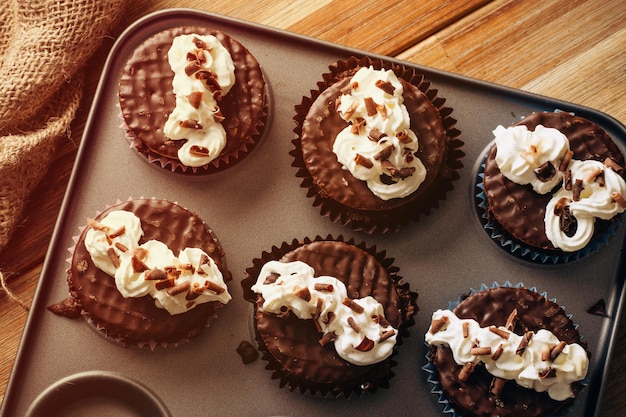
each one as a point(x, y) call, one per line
point(520, 210)
point(294, 343)
point(492, 307)
point(322, 125)
point(146, 97)
point(137, 320)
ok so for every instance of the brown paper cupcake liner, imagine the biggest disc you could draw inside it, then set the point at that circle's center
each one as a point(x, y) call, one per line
point(72, 308)
point(398, 212)
point(377, 375)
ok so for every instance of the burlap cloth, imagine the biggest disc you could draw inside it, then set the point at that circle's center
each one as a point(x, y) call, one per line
point(44, 44)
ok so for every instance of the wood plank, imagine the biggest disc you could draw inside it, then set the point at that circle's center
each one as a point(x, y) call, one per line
point(487, 45)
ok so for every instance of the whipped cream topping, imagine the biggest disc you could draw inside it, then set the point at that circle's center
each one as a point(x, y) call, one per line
point(177, 283)
point(378, 146)
point(203, 73)
point(537, 360)
point(357, 327)
point(522, 152)
point(594, 191)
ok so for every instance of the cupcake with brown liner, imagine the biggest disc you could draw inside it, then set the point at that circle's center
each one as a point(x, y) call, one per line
point(193, 100)
point(551, 188)
point(329, 315)
point(146, 272)
point(375, 145)
point(505, 351)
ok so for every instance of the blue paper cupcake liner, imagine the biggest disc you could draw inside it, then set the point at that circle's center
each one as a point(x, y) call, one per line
point(431, 370)
point(526, 252)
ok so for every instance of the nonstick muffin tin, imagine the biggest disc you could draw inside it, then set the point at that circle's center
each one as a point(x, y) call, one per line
point(66, 368)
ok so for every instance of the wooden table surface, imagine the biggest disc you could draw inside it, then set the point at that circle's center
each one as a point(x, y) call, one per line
point(574, 50)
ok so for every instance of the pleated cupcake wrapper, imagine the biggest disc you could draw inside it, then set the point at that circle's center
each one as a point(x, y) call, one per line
point(392, 220)
point(524, 251)
point(112, 336)
point(431, 370)
point(312, 388)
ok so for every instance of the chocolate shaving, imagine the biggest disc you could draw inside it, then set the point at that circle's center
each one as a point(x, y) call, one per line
point(545, 172)
point(155, 274)
point(496, 355)
point(523, 344)
point(577, 189)
point(138, 265)
point(438, 324)
point(376, 135)
point(113, 257)
point(357, 125)
point(386, 86)
point(381, 320)
point(211, 83)
point(118, 232)
point(366, 345)
point(567, 179)
point(477, 351)
point(200, 151)
point(466, 371)
point(566, 160)
point(502, 333)
point(403, 136)
point(386, 335)
point(557, 350)
point(190, 124)
point(200, 44)
point(247, 352)
point(323, 287)
point(303, 293)
point(547, 373)
point(327, 338)
point(179, 289)
point(213, 287)
point(192, 67)
point(610, 162)
point(465, 326)
point(593, 175)
point(545, 353)
point(271, 278)
point(353, 305)
point(370, 106)
point(353, 324)
point(363, 161)
point(195, 99)
point(617, 197)
point(121, 247)
point(384, 153)
point(166, 283)
point(511, 320)
point(330, 316)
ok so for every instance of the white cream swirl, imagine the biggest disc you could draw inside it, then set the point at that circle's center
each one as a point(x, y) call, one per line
point(197, 116)
point(530, 367)
point(357, 327)
point(177, 283)
point(375, 98)
point(520, 152)
point(594, 198)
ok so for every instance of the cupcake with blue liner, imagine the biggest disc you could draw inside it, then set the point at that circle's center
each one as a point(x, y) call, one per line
point(505, 350)
point(551, 188)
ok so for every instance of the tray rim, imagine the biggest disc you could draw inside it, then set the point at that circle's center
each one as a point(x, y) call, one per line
point(617, 292)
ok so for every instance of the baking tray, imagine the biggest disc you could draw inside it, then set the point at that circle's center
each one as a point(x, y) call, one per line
point(65, 366)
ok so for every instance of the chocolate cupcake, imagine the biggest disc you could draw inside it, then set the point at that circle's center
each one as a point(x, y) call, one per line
point(329, 315)
point(375, 145)
point(193, 100)
point(147, 272)
point(552, 187)
point(506, 351)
